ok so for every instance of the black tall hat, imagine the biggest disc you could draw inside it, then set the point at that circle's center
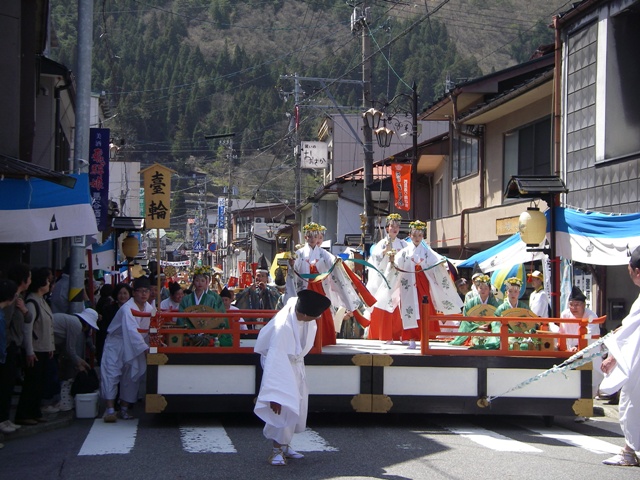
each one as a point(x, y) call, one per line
point(577, 295)
point(263, 265)
point(476, 271)
point(225, 293)
point(312, 303)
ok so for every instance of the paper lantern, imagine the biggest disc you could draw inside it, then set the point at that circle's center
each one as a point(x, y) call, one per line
point(532, 226)
point(130, 246)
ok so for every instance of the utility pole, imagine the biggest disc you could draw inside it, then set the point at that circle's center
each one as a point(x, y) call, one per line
point(362, 18)
point(81, 144)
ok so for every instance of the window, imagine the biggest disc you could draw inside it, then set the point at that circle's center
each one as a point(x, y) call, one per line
point(621, 118)
point(464, 153)
point(438, 199)
point(527, 151)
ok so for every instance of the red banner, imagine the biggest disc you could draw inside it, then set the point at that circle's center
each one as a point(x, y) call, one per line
point(401, 177)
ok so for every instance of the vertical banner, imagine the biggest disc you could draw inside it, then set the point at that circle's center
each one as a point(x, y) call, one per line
point(222, 223)
point(157, 196)
point(99, 175)
point(401, 177)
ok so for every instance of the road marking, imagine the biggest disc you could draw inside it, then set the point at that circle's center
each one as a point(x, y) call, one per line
point(594, 445)
point(490, 439)
point(110, 438)
point(310, 441)
point(208, 439)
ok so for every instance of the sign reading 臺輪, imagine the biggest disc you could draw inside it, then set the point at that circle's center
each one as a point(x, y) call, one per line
point(157, 196)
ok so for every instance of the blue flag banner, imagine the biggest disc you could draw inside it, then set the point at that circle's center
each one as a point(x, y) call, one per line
point(34, 210)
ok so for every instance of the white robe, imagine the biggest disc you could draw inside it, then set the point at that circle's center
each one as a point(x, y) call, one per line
point(123, 359)
point(337, 286)
point(539, 303)
point(624, 345)
point(444, 294)
point(282, 344)
point(380, 260)
point(593, 329)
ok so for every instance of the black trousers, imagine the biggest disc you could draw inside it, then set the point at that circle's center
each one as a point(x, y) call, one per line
point(8, 377)
point(33, 388)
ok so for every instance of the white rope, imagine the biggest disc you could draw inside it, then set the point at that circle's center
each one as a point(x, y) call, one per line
point(578, 359)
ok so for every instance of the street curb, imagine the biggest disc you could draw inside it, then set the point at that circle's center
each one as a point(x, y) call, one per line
point(54, 422)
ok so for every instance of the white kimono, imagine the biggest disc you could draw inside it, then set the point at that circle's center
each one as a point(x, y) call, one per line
point(593, 330)
point(539, 303)
point(379, 260)
point(624, 345)
point(444, 294)
point(282, 344)
point(123, 359)
point(337, 286)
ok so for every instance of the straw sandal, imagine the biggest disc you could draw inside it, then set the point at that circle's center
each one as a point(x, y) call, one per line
point(623, 459)
point(290, 452)
point(277, 458)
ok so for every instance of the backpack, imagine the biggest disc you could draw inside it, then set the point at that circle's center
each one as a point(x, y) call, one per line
point(37, 307)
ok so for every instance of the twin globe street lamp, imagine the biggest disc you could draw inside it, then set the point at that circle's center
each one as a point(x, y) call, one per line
point(384, 136)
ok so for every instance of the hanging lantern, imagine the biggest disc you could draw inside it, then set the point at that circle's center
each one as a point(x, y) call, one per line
point(532, 226)
point(372, 118)
point(384, 136)
point(130, 247)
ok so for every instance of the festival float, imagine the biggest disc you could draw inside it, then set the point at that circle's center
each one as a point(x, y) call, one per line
point(526, 375)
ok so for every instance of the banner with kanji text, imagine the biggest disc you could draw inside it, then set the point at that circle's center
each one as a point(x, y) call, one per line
point(99, 175)
point(401, 177)
point(157, 196)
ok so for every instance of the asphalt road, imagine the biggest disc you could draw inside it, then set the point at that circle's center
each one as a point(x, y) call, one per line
point(335, 446)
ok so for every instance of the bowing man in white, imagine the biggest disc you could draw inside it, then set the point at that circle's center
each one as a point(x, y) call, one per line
point(622, 370)
point(123, 358)
point(284, 395)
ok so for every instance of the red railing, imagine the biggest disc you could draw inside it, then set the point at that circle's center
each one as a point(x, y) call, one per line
point(430, 345)
point(161, 329)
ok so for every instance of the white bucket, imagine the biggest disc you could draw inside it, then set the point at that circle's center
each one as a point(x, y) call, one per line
point(87, 405)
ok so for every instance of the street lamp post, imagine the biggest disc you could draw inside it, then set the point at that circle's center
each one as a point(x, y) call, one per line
point(384, 135)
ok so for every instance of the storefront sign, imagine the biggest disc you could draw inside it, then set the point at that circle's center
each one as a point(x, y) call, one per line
point(99, 175)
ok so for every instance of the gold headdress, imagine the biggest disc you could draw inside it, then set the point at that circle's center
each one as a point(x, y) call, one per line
point(483, 279)
point(201, 270)
point(513, 281)
point(312, 227)
point(417, 225)
point(394, 217)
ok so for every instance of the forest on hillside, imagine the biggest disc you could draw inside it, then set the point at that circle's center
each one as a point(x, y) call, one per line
point(175, 71)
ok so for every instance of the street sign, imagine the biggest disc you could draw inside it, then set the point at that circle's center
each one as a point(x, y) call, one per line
point(314, 155)
point(212, 247)
point(197, 247)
